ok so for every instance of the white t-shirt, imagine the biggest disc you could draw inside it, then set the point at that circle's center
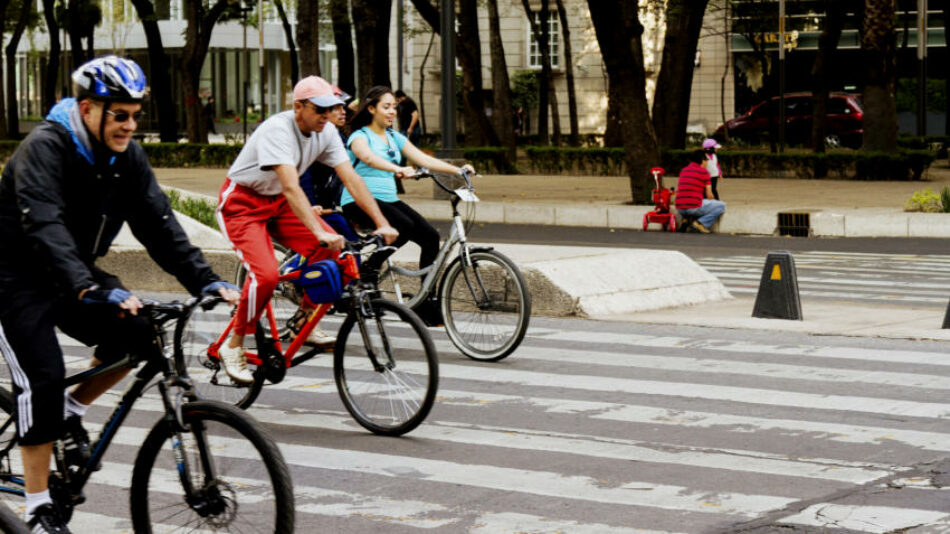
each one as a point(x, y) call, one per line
point(278, 141)
point(712, 165)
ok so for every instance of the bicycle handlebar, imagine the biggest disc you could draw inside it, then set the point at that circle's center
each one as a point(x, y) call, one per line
point(423, 172)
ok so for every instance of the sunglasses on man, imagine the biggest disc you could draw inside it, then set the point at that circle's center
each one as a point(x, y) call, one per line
point(123, 116)
point(319, 109)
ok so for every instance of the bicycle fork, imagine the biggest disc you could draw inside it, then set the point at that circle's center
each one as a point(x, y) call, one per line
point(364, 313)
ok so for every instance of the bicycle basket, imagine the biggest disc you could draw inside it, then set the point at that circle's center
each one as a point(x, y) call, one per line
point(321, 281)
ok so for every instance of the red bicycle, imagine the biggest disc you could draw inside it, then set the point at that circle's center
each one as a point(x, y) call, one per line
point(385, 364)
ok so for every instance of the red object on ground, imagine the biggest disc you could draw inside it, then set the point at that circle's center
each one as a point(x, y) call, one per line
point(662, 200)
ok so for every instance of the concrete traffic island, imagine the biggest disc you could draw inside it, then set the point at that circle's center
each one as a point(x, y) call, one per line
point(563, 281)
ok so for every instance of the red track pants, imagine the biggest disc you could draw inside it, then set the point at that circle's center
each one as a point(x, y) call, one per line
point(248, 220)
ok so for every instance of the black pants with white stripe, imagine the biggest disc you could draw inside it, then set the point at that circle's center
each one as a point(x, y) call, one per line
point(29, 318)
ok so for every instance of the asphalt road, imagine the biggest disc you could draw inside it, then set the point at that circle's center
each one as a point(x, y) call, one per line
point(600, 427)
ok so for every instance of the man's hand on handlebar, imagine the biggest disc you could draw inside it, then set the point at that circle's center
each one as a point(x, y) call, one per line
point(320, 211)
point(388, 232)
point(334, 242)
point(122, 298)
point(225, 290)
point(405, 172)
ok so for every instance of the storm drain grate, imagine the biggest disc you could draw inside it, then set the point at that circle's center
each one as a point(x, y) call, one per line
point(794, 224)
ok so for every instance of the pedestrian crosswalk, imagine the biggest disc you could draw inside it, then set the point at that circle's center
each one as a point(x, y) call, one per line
point(597, 427)
point(904, 279)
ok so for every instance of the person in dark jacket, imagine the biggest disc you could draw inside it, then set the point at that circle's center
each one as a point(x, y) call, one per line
point(64, 195)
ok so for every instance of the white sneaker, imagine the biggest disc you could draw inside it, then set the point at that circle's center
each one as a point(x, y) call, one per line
point(320, 338)
point(235, 365)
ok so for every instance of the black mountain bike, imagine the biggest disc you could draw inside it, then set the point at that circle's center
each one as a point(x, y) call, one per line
point(204, 466)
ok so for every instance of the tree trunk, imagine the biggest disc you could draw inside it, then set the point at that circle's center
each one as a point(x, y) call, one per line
point(201, 23)
point(946, 69)
point(468, 52)
point(478, 129)
point(160, 73)
point(823, 69)
point(289, 35)
point(346, 76)
point(308, 37)
point(619, 32)
point(76, 49)
point(13, 114)
point(878, 45)
point(573, 139)
point(384, 11)
point(55, 50)
point(503, 115)
point(684, 23)
point(541, 30)
point(364, 22)
point(4, 4)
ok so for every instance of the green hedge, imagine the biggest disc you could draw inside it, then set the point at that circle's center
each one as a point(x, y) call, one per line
point(589, 161)
point(6, 150)
point(191, 155)
point(490, 160)
point(906, 165)
point(903, 166)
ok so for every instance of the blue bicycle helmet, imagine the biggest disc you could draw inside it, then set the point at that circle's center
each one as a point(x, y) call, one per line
point(110, 79)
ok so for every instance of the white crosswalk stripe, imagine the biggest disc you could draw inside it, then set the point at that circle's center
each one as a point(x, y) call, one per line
point(599, 427)
point(884, 278)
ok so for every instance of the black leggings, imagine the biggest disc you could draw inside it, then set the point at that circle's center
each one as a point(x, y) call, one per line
point(410, 225)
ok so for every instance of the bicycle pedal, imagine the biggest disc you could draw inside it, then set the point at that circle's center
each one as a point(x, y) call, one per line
point(208, 363)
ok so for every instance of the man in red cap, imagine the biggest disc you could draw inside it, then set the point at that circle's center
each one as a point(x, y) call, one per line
point(262, 199)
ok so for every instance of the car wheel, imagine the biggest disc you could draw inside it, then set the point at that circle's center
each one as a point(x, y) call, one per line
point(832, 141)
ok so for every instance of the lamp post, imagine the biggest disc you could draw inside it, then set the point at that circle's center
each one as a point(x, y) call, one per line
point(448, 80)
point(922, 61)
point(260, 52)
point(247, 67)
point(781, 76)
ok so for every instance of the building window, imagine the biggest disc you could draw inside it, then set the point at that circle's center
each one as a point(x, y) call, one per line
point(554, 42)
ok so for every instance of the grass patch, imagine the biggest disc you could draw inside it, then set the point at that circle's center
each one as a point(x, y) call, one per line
point(198, 209)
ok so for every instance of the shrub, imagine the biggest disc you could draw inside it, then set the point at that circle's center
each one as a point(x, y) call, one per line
point(191, 154)
point(198, 209)
point(490, 160)
point(926, 201)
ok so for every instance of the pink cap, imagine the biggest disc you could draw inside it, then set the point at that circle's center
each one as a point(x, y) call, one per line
point(708, 143)
point(318, 91)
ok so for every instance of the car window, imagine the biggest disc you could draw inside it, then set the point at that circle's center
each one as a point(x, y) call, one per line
point(798, 107)
point(838, 106)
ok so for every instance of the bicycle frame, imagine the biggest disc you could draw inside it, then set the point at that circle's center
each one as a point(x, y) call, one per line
point(254, 358)
point(430, 275)
point(132, 393)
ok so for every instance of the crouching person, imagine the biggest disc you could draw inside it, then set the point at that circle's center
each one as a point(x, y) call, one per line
point(694, 195)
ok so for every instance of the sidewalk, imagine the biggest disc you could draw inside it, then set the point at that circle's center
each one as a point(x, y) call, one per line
point(838, 208)
point(856, 208)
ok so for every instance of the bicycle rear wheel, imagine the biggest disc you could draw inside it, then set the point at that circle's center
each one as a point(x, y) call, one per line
point(393, 394)
point(237, 476)
point(193, 337)
point(486, 305)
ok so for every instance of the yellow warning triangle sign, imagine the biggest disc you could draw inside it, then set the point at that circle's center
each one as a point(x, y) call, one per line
point(776, 272)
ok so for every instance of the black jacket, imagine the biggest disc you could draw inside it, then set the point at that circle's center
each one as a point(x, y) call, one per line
point(63, 199)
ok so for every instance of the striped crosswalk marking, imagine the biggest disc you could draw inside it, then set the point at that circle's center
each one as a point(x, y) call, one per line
point(883, 278)
point(600, 427)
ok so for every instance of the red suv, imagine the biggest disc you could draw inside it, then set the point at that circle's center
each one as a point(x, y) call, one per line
point(844, 122)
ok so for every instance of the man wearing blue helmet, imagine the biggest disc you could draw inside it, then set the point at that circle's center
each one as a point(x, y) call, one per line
point(64, 195)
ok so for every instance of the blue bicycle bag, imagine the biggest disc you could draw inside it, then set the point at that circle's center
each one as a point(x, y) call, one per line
point(321, 281)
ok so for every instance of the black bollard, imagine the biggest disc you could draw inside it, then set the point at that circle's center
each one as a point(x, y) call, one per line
point(778, 291)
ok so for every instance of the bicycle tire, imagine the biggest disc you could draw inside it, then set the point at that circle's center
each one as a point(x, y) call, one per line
point(397, 399)
point(286, 298)
point(10, 523)
point(193, 335)
point(492, 329)
point(246, 461)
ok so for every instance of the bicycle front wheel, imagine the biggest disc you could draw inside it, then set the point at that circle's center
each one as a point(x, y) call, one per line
point(486, 305)
point(386, 368)
point(194, 336)
point(223, 473)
